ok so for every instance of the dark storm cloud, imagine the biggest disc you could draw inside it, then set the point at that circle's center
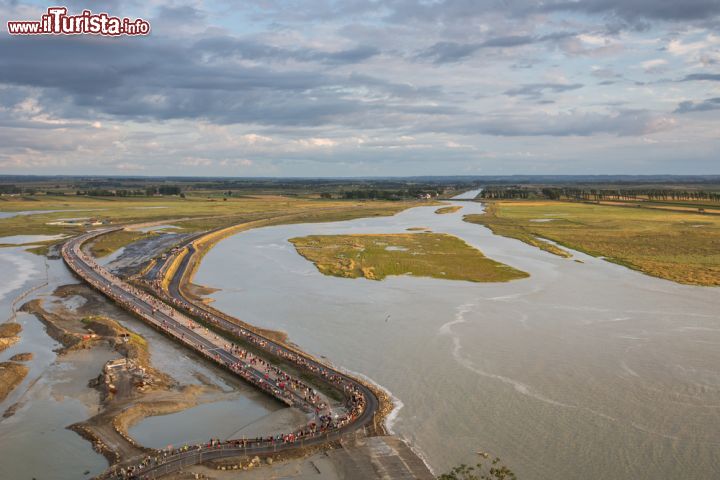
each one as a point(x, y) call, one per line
point(703, 106)
point(81, 77)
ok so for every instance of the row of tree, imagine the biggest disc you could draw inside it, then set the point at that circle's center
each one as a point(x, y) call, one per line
point(10, 189)
point(374, 194)
point(596, 195)
point(506, 193)
point(147, 192)
point(635, 194)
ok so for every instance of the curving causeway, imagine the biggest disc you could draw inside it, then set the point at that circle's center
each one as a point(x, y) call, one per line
point(286, 373)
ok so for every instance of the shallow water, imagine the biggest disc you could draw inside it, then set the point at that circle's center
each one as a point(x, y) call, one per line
point(22, 239)
point(584, 370)
point(40, 212)
point(34, 442)
point(241, 416)
point(469, 195)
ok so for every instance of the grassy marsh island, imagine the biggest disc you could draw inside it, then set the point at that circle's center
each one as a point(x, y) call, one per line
point(450, 209)
point(677, 246)
point(420, 254)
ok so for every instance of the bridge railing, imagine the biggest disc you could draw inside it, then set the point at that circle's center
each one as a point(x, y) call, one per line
point(176, 462)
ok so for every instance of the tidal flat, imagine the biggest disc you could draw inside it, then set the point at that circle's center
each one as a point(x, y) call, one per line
point(582, 370)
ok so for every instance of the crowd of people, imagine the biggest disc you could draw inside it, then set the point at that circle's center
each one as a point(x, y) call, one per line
point(250, 367)
point(349, 387)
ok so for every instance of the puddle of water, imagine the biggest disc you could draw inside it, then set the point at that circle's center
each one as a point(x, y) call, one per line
point(224, 419)
point(40, 212)
point(22, 239)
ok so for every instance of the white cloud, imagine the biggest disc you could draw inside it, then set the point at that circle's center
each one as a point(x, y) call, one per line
point(129, 166)
point(316, 143)
point(654, 66)
point(679, 48)
point(196, 162)
point(239, 162)
point(253, 138)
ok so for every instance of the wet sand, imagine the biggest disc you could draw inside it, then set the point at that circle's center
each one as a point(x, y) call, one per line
point(11, 374)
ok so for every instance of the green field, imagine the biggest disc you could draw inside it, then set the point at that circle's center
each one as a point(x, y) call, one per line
point(107, 244)
point(421, 254)
point(192, 214)
point(682, 247)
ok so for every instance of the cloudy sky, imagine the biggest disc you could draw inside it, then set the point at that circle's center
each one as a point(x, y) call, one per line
point(367, 87)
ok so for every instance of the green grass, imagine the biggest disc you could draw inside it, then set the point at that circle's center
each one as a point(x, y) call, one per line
point(192, 214)
point(678, 246)
point(422, 254)
point(107, 244)
point(509, 227)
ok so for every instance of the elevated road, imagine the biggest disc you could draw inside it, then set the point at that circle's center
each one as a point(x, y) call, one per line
point(326, 424)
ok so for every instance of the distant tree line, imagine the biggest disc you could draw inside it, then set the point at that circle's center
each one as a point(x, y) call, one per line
point(506, 193)
point(147, 192)
point(15, 190)
point(10, 190)
point(635, 194)
point(596, 195)
point(375, 194)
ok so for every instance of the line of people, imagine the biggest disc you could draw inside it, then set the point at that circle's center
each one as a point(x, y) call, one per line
point(250, 367)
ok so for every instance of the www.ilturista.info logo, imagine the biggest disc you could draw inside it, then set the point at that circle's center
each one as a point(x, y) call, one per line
point(57, 22)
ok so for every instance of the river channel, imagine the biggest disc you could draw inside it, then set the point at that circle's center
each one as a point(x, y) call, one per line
point(583, 370)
